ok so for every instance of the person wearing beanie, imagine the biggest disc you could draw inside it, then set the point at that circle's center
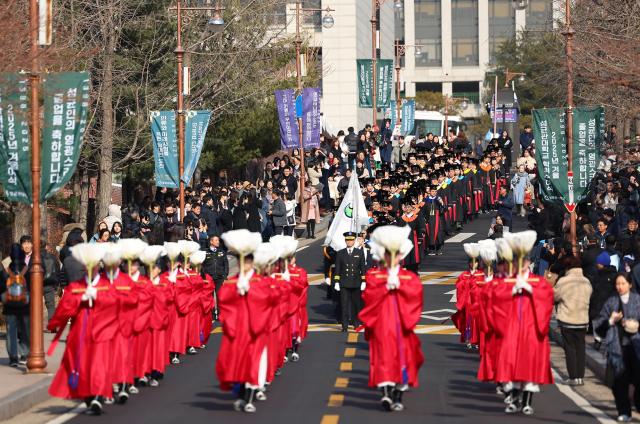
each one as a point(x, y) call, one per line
point(392, 307)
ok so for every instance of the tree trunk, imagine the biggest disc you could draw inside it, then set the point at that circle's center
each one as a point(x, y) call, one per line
point(21, 221)
point(107, 131)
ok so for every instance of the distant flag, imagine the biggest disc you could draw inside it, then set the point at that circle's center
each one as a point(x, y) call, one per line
point(351, 215)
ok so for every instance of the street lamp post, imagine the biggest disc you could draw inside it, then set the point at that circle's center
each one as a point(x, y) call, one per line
point(327, 22)
point(36, 362)
point(568, 33)
point(401, 49)
point(508, 77)
point(179, 52)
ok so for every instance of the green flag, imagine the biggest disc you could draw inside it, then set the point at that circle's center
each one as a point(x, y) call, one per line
point(15, 173)
point(66, 103)
point(551, 154)
point(384, 81)
point(588, 135)
point(165, 148)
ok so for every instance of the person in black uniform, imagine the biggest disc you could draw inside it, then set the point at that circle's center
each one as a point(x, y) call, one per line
point(216, 265)
point(349, 280)
point(328, 264)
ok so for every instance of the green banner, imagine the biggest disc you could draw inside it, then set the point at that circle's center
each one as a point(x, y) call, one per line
point(551, 154)
point(365, 82)
point(165, 148)
point(588, 135)
point(384, 82)
point(195, 128)
point(15, 174)
point(66, 104)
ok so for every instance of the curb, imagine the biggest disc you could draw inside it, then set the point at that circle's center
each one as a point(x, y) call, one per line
point(24, 399)
point(595, 360)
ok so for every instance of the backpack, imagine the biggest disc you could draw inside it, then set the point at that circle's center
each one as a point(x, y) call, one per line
point(17, 293)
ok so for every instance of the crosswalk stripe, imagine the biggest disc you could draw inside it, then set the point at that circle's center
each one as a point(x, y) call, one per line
point(459, 238)
point(353, 337)
point(427, 278)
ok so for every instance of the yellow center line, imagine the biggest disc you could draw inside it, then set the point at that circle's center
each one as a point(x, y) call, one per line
point(330, 419)
point(335, 400)
point(346, 366)
point(350, 352)
point(352, 338)
point(341, 383)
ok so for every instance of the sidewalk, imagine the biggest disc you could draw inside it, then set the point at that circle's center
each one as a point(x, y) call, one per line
point(20, 391)
point(595, 360)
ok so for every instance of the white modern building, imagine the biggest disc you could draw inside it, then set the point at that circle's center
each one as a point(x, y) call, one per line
point(457, 41)
point(338, 47)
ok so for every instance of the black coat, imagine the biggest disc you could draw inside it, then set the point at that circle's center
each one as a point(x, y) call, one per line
point(239, 217)
point(226, 220)
point(211, 218)
point(216, 264)
point(350, 269)
point(604, 286)
point(253, 221)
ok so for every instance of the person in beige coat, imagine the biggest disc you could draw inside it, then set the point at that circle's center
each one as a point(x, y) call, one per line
point(310, 208)
point(571, 295)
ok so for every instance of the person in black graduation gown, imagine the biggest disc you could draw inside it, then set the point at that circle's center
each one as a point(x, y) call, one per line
point(433, 212)
point(413, 217)
point(349, 280)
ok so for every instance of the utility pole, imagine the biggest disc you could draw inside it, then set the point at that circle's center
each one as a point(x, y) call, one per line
point(568, 34)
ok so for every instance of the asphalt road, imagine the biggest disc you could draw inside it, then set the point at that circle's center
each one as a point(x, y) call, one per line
point(329, 384)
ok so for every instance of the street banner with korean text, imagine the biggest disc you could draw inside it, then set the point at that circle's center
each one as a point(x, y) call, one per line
point(311, 117)
point(15, 160)
point(588, 135)
point(408, 117)
point(66, 105)
point(165, 148)
point(551, 154)
point(286, 104)
point(365, 83)
point(384, 81)
point(195, 128)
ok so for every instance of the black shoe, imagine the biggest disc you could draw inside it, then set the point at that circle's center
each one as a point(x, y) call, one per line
point(22, 360)
point(95, 407)
point(527, 398)
point(13, 363)
point(344, 330)
point(397, 405)
point(123, 397)
point(385, 400)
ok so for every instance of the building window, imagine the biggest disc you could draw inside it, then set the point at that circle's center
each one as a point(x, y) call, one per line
point(469, 91)
point(540, 15)
point(399, 23)
point(279, 17)
point(313, 18)
point(502, 25)
point(428, 33)
point(464, 32)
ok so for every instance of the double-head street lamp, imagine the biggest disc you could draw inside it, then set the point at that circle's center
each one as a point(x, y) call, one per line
point(375, 5)
point(327, 22)
point(508, 77)
point(216, 23)
point(401, 49)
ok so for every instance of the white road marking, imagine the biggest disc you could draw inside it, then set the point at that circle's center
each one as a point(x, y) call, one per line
point(443, 314)
point(69, 415)
point(581, 402)
point(454, 297)
point(302, 248)
point(458, 238)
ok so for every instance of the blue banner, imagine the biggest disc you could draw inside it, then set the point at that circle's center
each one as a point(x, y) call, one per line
point(286, 102)
point(311, 117)
point(165, 148)
point(196, 123)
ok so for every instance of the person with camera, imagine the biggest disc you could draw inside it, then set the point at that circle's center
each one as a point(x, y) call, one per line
point(14, 293)
point(617, 324)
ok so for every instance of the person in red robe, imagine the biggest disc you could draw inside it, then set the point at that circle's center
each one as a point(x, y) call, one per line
point(141, 363)
point(522, 308)
point(122, 354)
point(244, 305)
point(92, 308)
point(392, 308)
point(463, 318)
point(299, 275)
